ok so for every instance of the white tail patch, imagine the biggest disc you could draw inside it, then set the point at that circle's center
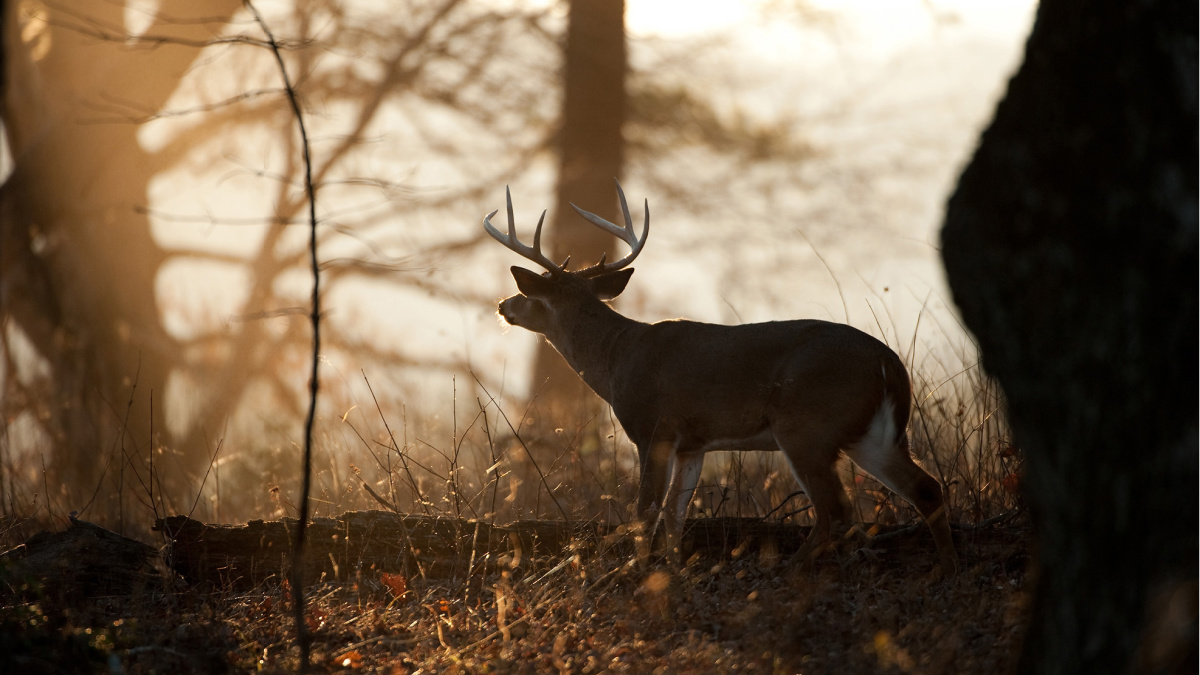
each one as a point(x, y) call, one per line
point(872, 450)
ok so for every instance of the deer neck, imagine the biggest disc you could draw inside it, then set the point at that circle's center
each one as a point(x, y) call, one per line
point(591, 339)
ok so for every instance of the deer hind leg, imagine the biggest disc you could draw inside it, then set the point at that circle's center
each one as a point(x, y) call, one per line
point(891, 463)
point(812, 460)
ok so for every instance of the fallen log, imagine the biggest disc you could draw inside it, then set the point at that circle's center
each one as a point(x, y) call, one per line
point(372, 542)
point(340, 548)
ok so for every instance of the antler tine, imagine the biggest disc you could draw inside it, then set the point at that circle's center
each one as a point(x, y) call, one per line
point(512, 222)
point(625, 234)
point(537, 233)
point(531, 253)
point(624, 207)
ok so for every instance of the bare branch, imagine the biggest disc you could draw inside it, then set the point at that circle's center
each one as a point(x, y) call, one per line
point(302, 634)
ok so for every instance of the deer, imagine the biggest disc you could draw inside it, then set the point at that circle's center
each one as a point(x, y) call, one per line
point(809, 388)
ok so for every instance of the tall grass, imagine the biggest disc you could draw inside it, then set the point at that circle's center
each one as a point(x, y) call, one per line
point(491, 462)
point(488, 460)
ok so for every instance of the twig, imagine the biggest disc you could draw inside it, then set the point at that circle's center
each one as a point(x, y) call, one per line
point(391, 640)
point(897, 534)
point(412, 480)
point(375, 495)
point(786, 499)
point(520, 440)
point(211, 463)
point(302, 634)
point(120, 439)
point(400, 521)
point(984, 524)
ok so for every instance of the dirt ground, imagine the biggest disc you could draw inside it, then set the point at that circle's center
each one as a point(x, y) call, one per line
point(869, 610)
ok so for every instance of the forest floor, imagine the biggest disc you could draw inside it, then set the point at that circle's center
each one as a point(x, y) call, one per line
point(864, 611)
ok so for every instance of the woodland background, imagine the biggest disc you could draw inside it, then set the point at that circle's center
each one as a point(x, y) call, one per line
point(155, 266)
point(154, 338)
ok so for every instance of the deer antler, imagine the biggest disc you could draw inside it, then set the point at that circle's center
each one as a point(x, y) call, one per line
point(531, 253)
point(625, 234)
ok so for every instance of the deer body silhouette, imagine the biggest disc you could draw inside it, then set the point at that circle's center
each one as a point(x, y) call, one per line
point(811, 389)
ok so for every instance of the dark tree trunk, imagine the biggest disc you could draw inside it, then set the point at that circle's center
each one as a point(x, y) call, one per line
point(591, 153)
point(1071, 248)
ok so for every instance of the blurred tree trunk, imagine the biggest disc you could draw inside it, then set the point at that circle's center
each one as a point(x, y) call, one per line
point(1071, 248)
point(591, 153)
point(79, 261)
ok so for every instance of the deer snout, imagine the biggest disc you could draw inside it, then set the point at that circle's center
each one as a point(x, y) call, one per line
point(505, 311)
point(524, 313)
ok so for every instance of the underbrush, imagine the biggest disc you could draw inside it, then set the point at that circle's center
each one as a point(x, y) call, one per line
point(500, 463)
point(565, 613)
point(860, 611)
point(493, 461)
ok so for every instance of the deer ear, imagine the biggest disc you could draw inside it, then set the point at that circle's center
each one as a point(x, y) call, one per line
point(609, 286)
point(529, 283)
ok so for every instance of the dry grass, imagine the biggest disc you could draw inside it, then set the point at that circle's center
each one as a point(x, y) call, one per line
point(862, 611)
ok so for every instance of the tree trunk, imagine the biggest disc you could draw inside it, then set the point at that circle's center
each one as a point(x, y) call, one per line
point(1071, 248)
point(591, 152)
point(79, 260)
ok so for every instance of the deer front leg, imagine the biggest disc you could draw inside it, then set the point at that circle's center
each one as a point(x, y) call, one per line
point(685, 474)
point(655, 458)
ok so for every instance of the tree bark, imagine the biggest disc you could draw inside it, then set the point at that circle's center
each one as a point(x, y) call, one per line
point(1071, 248)
point(591, 154)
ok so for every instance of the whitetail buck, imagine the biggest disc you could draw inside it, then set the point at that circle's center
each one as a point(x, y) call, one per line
point(680, 389)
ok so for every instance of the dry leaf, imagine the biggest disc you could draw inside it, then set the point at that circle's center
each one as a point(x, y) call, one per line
point(396, 583)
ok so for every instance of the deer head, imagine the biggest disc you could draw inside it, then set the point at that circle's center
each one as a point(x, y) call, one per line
point(547, 298)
